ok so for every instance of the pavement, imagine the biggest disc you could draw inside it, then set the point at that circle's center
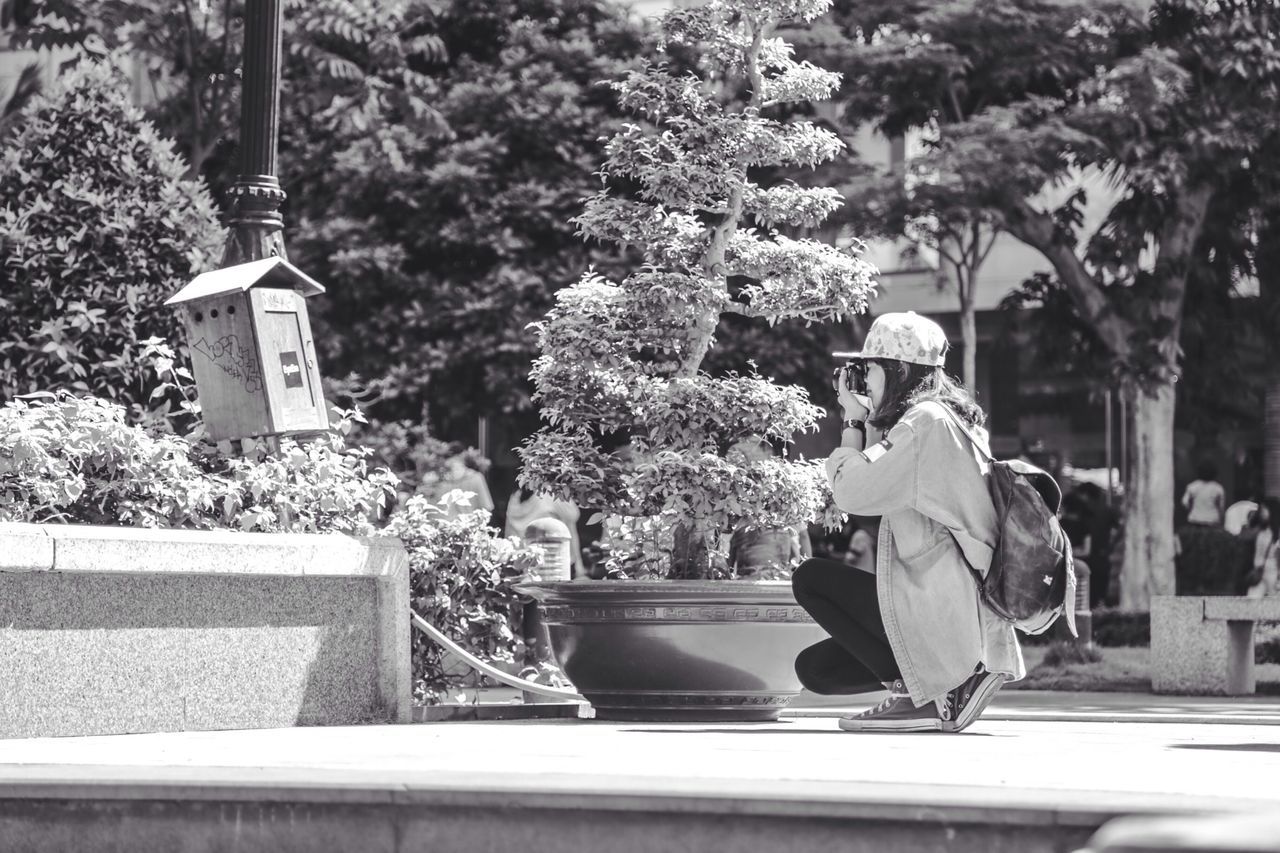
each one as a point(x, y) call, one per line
point(1061, 706)
point(1071, 761)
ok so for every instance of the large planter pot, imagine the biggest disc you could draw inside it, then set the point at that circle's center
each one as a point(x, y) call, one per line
point(678, 650)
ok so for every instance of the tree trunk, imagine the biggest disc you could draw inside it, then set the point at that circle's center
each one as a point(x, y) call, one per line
point(690, 556)
point(1149, 502)
point(969, 340)
point(1268, 263)
point(1271, 437)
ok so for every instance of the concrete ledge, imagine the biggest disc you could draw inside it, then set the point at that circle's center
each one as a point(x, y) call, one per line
point(25, 547)
point(107, 630)
point(1234, 607)
point(1203, 645)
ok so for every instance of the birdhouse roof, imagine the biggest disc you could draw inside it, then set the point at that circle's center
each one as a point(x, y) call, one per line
point(268, 272)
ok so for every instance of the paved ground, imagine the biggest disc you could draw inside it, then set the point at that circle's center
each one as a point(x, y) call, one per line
point(1049, 706)
point(1017, 755)
point(1040, 773)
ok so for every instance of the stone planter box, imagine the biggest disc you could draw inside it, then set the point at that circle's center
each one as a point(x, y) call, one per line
point(110, 630)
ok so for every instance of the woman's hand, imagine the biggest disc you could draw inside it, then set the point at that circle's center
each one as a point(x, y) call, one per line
point(854, 405)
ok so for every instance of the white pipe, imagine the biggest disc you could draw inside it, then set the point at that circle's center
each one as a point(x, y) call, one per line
point(488, 669)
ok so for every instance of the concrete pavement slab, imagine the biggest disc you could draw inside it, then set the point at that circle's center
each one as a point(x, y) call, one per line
point(1092, 765)
point(1061, 706)
point(800, 783)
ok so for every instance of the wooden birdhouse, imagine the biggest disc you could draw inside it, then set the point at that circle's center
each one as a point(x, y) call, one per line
point(251, 350)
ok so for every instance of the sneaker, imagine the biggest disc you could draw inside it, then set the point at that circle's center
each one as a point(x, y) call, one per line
point(971, 698)
point(898, 713)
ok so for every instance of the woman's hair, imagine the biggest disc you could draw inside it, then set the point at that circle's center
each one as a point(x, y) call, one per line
point(907, 384)
point(1206, 471)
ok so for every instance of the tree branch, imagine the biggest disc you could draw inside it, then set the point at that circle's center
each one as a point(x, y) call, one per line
point(982, 256)
point(1038, 230)
point(220, 84)
point(1177, 242)
point(955, 103)
point(713, 260)
point(945, 234)
point(196, 152)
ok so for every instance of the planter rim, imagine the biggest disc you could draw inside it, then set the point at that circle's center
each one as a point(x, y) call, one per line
point(658, 592)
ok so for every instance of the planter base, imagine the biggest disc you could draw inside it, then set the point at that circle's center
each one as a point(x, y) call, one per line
point(689, 707)
point(678, 651)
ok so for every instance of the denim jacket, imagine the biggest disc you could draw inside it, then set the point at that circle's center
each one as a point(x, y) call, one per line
point(938, 527)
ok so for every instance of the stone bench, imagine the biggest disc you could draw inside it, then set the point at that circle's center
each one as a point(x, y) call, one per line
point(1203, 645)
point(110, 630)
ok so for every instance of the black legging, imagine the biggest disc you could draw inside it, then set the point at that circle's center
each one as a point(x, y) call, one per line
point(856, 658)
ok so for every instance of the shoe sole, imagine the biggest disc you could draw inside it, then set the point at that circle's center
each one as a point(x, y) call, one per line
point(890, 725)
point(978, 703)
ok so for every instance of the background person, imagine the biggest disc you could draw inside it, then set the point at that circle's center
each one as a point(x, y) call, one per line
point(1204, 499)
point(752, 548)
point(1209, 559)
point(526, 506)
point(464, 470)
point(861, 552)
point(941, 653)
point(1262, 578)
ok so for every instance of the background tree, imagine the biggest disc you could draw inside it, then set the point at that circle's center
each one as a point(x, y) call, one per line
point(1183, 112)
point(916, 70)
point(442, 248)
point(354, 52)
point(623, 360)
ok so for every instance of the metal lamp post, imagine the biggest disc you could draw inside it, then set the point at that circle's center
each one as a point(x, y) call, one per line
point(253, 355)
point(257, 228)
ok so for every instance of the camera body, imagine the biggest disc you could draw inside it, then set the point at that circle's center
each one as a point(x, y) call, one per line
point(853, 374)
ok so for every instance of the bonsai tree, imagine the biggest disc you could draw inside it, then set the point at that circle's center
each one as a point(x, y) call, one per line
point(620, 361)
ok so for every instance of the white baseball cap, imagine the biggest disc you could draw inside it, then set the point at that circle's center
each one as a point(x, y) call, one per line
point(904, 336)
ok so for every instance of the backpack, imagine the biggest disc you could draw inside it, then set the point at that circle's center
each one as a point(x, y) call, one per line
point(1032, 579)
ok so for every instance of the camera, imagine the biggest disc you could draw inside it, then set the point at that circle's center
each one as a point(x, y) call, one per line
point(854, 375)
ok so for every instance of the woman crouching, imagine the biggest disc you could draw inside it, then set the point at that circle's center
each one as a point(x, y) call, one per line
point(917, 627)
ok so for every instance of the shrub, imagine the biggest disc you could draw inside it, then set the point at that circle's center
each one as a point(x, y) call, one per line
point(98, 226)
point(1110, 628)
point(624, 360)
point(1212, 562)
point(1064, 653)
point(461, 583)
point(66, 459)
point(1121, 627)
point(418, 459)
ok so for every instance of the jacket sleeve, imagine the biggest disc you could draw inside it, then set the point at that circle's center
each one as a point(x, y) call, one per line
point(878, 480)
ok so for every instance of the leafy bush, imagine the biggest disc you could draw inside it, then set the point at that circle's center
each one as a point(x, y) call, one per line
point(1212, 561)
point(75, 460)
point(66, 459)
point(1267, 651)
point(98, 226)
point(1065, 653)
point(417, 458)
point(1121, 627)
point(1110, 628)
point(461, 583)
point(626, 360)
